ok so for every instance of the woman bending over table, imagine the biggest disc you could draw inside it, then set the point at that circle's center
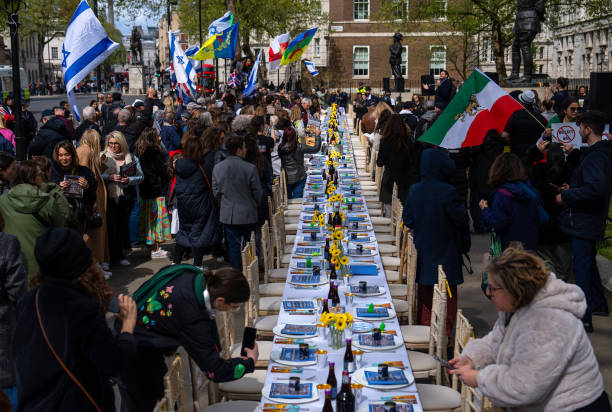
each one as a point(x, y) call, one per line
point(538, 356)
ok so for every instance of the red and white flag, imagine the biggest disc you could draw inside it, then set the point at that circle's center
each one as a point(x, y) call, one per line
point(278, 45)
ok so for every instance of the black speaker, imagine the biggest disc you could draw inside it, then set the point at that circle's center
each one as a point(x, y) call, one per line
point(399, 84)
point(599, 93)
point(428, 79)
point(386, 86)
point(493, 76)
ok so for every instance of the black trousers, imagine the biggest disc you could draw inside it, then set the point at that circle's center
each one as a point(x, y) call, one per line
point(179, 252)
point(141, 384)
point(118, 225)
point(600, 404)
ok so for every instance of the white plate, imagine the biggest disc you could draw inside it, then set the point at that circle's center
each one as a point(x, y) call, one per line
point(359, 377)
point(315, 393)
point(275, 356)
point(366, 252)
point(391, 314)
point(381, 291)
point(397, 343)
point(362, 327)
point(278, 328)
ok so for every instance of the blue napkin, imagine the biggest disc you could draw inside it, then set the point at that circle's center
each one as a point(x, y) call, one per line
point(395, 378)
point(299, 330)
point(363, 270)
point(305, 279)
point(378, 313)
point(293, 355)
point(297, 304)
point(282, 390)
point(356, 218)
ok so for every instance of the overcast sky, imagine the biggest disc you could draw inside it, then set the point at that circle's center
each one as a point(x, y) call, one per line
point(125, 25)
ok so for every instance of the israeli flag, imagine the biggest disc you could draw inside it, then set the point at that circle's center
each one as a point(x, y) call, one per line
point(86, 45)
point(251, 86)
point(311, 68)
point(186, 76)
point(220, 25)
point(197, 64)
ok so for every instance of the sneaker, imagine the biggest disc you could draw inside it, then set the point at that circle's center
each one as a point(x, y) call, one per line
point(107, 275)
point(105, 266)
point(159, 254)
point(124, 262)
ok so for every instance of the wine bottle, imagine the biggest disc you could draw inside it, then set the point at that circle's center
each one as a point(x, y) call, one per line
point(331, 380)
point(327, 406)
point(327, 255)
point(349, 359)
point(332, 274)
point(325, 306)
point(330, 294)
point(345, 400)
point(336, 298)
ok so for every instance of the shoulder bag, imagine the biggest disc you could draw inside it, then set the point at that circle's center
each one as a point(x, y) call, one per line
point(59, 360)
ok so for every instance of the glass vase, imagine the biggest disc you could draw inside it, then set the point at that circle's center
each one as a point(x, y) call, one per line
point(335, 336)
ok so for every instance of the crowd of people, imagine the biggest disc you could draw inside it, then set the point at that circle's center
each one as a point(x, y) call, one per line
point(201, 174)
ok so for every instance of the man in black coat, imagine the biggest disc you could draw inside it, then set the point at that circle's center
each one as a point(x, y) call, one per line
point(586, 202)
point(444, 91)
point(132, 126)
point(52, 132)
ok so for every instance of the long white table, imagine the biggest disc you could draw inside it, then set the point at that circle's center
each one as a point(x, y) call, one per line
point(312, 373)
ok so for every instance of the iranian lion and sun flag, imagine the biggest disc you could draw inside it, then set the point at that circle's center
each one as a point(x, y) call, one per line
point(480, 105)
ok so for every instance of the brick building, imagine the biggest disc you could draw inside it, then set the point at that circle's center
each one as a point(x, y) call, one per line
point(358, 43)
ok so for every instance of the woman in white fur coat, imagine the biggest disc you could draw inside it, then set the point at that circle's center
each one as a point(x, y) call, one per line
point(538, 356)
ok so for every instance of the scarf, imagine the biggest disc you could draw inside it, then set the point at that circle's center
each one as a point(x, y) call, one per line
point(115, 189)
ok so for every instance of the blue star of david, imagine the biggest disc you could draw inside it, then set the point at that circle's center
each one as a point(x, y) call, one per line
point(180, 59)
point(65, 54)
point(213, 30)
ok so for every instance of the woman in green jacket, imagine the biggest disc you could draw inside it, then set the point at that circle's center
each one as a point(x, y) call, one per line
point(30, 207)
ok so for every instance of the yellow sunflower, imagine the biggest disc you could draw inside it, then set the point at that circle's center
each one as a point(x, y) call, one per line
point(338, 235)
point(349, 317)
point(344, 260)
point(330, 190)
point(334, 260)
point(335, 252)
point(322, 220)
point(341, 321)
point(342, 215)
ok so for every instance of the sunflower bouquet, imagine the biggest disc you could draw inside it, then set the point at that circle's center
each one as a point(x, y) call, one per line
point(338, 259)
point(336, 323)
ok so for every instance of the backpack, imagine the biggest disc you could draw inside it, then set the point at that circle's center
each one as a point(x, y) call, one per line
point(158, 280)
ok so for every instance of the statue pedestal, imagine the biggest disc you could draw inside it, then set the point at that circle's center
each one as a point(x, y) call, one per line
point(137, 79)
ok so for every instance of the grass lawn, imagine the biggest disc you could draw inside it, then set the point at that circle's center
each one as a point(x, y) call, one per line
point(607, 250)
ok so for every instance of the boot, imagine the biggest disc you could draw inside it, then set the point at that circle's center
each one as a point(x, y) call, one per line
point(516, 65)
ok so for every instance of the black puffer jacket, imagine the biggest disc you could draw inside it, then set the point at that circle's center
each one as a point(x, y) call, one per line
point(51, 133)
point(155, 183)
point(12, 286)
point(293, 161)
point(197, 210)
point(77, 329)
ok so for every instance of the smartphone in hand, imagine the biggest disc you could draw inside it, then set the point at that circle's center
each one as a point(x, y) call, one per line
point(248, 339)
point(113, 306)
point(444, 363)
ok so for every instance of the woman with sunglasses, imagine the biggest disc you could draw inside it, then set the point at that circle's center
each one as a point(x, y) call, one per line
point(538, 356)
point(177, 307)
point(568, 114)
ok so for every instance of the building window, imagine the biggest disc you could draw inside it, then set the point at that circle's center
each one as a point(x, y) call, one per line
point(54, 53)
point(361, 61)
point(437, 60)
point(317, 47)
point(540, 68)
point(399, 9)
point(404, 64)
point(439, 9)
point(541, 52)
point(361, 9)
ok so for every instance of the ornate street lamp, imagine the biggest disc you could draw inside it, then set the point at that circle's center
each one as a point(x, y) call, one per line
point(12, 8)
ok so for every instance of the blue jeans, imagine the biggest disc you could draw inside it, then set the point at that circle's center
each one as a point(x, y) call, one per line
point(11, 393)
point(587, 275)
point(296, 190)
point(134, 222)
point(234, 236)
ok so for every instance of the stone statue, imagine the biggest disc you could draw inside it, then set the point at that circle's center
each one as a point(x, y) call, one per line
point(395, 61)
point(529, 14)
point(136, 46)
